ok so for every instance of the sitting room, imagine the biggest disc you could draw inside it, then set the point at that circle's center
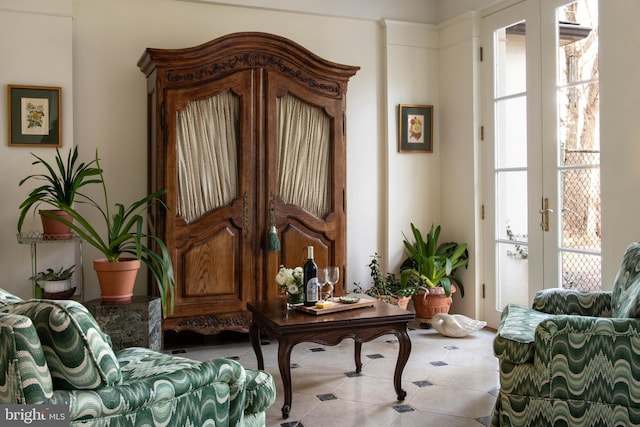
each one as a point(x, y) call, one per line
point(241, 133)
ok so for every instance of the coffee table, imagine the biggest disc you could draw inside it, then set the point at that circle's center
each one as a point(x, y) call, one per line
point(291, 327)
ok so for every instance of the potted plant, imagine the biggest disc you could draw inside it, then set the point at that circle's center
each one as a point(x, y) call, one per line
point(388, 287)
point(60, 187)
point(55, 282)
point(431, 267)
point(124, 246)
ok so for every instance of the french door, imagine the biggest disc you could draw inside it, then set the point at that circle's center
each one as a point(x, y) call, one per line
point(541, 182)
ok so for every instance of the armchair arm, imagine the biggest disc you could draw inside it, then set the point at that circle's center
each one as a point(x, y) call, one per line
point(589, 358)
point(24, 375)
point(569, 301)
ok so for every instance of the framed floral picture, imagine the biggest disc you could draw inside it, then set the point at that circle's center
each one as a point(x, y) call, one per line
point(415, 128)
point(35, 116)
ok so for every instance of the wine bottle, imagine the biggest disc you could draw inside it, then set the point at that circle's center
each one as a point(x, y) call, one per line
point(310, 279)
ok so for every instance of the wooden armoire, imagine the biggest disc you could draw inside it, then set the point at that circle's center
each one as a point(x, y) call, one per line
point(246, 133)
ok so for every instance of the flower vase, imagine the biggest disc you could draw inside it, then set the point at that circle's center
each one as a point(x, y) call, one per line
point(294, 299)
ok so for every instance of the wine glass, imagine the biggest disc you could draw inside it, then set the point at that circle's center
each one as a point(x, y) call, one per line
point(333, 275)
point(322, 280)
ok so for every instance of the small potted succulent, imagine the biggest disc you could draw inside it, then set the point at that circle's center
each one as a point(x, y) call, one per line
point(54, 282)
point(388, 287)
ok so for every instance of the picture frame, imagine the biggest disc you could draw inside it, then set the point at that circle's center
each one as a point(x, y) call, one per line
point(35, 116)
point(415, 128)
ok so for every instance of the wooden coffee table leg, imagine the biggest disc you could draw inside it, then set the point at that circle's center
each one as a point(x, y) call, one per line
point(284, 363)
point(403, 357)
point(358, 354)
point(254, 336)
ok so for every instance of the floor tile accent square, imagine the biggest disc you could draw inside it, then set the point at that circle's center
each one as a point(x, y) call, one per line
point(292, 424)
point(353, 374)
point(375, 356)
point(439, 363)
point(452, 347)
point(328, 396)
point(392, 341)
point(422, 383)
point(485, 421)
point(403, 408)
point(316, 349)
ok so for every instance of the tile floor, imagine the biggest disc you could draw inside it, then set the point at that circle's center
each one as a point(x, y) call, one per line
point(449, 381)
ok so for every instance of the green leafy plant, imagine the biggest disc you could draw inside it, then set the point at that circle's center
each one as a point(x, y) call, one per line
point(52, 275)
point(125, 236)
point(387, 286)
point(61, 183)
point(430, 265)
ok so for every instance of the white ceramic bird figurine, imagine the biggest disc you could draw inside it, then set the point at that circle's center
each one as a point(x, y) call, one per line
point(455, 325)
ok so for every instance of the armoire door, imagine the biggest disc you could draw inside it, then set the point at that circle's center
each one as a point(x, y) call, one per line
point(306, 188)
point(211, 171)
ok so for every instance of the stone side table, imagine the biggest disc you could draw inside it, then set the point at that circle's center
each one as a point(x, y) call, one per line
point(131, 324)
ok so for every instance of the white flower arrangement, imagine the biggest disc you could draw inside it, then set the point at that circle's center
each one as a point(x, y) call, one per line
point(290, 279)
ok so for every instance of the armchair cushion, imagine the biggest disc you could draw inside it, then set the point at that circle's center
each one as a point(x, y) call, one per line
point(625, 299)
point(516, 334)
point(78, 353)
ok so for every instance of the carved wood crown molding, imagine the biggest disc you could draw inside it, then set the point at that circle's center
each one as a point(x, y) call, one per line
point(253, 60)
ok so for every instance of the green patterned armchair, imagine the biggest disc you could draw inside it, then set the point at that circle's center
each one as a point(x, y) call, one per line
point(574, 358)
point(54, 353)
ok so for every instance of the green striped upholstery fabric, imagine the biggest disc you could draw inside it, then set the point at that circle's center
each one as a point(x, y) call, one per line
point(161, 389)
point(570, 301)
point(583, 366)
point(53, 352)
point(78, 353)
point(625, 299)
point(514, 341)
point(260, 391)
point(8, 298)
point(24, 375)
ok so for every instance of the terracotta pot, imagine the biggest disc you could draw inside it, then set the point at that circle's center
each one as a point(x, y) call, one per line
point(117, 279)
point(427, 305)
point(53, 229)
point(402, 302)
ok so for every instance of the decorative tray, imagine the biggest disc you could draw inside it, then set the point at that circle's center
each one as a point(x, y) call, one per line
point(338, 306)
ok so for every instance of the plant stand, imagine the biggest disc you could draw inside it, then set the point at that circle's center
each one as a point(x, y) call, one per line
point(133, 324)
point(36, 238)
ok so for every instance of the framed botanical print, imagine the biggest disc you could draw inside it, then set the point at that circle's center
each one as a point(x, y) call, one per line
point(35, 116)
point(415, 128)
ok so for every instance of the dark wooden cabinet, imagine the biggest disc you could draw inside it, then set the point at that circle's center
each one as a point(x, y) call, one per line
point(246, 132)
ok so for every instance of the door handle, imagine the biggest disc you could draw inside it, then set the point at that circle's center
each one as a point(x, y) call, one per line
point(545, 214)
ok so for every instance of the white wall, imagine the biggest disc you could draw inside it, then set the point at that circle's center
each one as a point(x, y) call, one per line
point(460, 159)
point(36, 49)
point(619, 130)
point(411, 181)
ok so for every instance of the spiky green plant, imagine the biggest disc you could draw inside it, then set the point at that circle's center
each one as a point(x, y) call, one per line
point(62, 183)
point(432, 265)
point(125, 235)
